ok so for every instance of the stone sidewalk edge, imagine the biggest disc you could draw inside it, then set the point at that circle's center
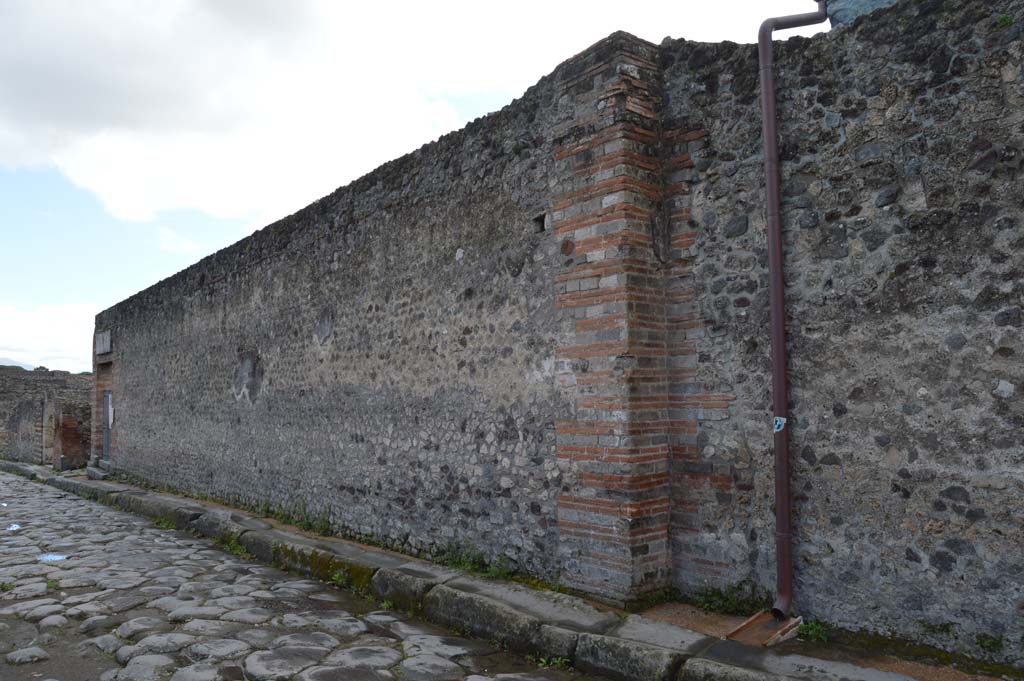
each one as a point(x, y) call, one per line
point(633, 649)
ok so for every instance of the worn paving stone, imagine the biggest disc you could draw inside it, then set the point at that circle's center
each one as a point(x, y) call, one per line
point(365, 657)
point(138, 603)
point(191, 612)
point(343, 674)
point(97, 623)
point(146, 668)
point(108, 643)
point(139, 625)
point(52, 622)
point(229, 590)
point(27, 656)
point(446, 646)
point(281, 663)
point(248, 616)
point(218, 649)
point(232, 602)
point(430, 668)
point(165, 643)
point(125, 602)
point(258, 638)
point(42, 611)
point(209, 627)
point(314, 639)
point(203, 671)
point(26, 606)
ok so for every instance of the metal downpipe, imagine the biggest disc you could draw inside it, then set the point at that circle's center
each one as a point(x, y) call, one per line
point(777, 295)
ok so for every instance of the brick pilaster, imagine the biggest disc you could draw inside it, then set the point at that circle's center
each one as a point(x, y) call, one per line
point(610, 218)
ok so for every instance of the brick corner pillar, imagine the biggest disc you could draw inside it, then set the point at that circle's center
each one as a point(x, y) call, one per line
point(609, 216)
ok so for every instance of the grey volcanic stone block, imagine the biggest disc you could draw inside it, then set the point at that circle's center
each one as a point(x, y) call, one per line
point(547, 606)
point(152, 505)
point(619, 658)
point(639, 649)
point(27, 470)
point(362, 556)
point(281, 663)
point(842, 12)
point(318, 558)
point(430, 668)
point(557, 642)
point(637, 628)
point(263, 543)
point(90, 489)
point(220, 524)
point(513, 614)
point(27, 656)
point(406, 585)
point(482, 616)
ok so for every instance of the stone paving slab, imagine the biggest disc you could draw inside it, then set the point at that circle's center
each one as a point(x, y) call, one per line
point(90, 489)
point(27, 470)
point(549, 607)
point(407, 584)
point(651, 632)
point(211, 606)
point(217, 523)
point(159, 506)
point(162, 605)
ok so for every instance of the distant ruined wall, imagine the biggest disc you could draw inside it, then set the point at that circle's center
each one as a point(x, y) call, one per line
point(44, 415)
point(545, 337)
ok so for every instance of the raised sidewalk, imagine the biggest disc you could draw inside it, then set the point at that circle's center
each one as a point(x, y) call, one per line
point(525, 620)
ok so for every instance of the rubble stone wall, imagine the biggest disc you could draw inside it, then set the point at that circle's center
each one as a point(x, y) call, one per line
point(44, 415)
point(903, 171)
point(544, 338)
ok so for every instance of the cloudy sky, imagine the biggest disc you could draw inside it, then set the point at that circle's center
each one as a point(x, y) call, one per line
point(137, 137)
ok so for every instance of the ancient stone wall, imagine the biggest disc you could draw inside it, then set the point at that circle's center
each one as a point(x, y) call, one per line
point(544, 337)
point(382, 362)
point(902, 144)
point(45, 415)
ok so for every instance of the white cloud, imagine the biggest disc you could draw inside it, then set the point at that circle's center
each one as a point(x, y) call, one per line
point(54, 336)
point(172, 242)
point(251, 109)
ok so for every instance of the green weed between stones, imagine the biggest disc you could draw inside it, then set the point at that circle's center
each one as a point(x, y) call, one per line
point(546, 662)
point(343, 579)
point(165, 523)
point(937, 629)
point(5, 587)
point(813, 632)
point(468, 560)
point(989, 643)
point(872, 643)
point(742, 599)
point(669, 595)
point(230, 545)
point(1004, 21)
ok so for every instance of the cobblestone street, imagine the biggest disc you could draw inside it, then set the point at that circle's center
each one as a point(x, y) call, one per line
point(90, 592)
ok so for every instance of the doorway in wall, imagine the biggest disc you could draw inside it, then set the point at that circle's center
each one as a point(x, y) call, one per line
point(103, 421)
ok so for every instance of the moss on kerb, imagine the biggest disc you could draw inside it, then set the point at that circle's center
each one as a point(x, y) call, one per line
point(324, 566)
point(860, 642)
